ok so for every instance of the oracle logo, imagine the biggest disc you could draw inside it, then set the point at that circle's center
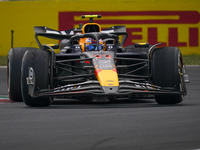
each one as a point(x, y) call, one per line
point(152, 22)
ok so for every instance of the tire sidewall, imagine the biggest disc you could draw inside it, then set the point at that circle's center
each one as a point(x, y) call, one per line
point(39, 60)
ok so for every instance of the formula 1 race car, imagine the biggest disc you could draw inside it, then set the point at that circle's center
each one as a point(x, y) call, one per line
point(93, 65)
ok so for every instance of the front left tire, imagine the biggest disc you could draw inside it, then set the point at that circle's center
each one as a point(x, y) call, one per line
point(167, 71)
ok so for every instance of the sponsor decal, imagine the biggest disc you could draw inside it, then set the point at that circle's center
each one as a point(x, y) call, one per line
point(109, 80)
point(68, 87)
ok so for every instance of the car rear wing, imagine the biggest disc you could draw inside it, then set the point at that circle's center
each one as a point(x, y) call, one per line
point(53, 34)
point(67, 34)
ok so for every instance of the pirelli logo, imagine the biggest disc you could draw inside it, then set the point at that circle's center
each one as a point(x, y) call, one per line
point(171, 28)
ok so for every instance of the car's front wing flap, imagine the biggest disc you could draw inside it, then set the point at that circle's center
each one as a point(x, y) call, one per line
point(93, 88)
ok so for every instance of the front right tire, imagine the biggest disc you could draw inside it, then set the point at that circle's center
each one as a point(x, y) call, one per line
point(39, 60)
point(14, 61)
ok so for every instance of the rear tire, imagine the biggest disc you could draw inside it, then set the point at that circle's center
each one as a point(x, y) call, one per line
point(39, 60)
point(167, 72)
point(14, 61)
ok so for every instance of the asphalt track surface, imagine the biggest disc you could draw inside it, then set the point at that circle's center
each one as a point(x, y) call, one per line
point(124, 125)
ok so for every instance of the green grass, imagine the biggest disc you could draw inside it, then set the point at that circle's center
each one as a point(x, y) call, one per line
point(187, 60)
point(191, 59)
point(3, 60)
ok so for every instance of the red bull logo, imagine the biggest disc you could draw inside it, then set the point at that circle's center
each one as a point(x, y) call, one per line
point(171, 28)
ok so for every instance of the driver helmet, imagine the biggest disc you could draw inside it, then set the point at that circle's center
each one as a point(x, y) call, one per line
point(91, 45)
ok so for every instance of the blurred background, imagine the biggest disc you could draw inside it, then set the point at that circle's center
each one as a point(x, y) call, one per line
point(170, 22)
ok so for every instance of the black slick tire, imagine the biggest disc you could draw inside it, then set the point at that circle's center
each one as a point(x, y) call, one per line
point(14, 61)
point(166, 71)
point(39, 60)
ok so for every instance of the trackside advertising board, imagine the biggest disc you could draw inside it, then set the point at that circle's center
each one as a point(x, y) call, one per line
point(174, 23)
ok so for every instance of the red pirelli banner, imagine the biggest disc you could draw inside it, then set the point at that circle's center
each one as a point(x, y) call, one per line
point(174, 23)
point(171, 28)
